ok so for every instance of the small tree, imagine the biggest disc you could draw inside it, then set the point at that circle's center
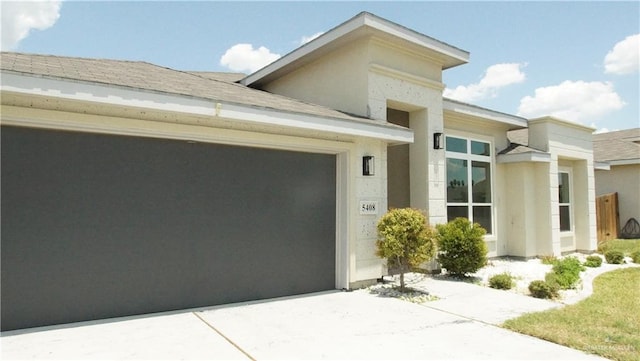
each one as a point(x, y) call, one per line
point(461, 246)
point(405, 240)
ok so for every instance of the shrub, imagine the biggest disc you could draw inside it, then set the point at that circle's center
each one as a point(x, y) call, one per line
point(635, 256)
point(567, 272)
point(461, 246)
point(593, 261)
point(614, 257)
point(501, 281)
point(405, 240)
point(542, 289)
point(548, 259)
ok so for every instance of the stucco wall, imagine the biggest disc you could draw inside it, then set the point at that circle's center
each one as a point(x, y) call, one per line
point(571, 148)
point(623, 179)
point(337, 80)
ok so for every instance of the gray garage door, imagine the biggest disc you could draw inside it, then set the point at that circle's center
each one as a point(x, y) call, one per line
point(97, 226)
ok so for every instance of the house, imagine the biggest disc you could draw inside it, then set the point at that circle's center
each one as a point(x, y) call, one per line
point(130, 188)
point(617, 155)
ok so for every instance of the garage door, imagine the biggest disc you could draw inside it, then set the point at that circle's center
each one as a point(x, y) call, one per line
point(97, 226)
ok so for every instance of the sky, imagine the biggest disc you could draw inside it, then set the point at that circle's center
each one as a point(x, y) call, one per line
point(577, 61)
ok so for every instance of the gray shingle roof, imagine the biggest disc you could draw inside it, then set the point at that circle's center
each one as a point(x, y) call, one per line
point(150, 77)
point(618, 145)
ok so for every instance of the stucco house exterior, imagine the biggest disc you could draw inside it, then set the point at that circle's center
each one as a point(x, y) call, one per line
point(617, 156)
point(130, 188)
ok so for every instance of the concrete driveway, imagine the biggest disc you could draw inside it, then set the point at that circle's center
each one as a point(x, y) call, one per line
point(327, 325)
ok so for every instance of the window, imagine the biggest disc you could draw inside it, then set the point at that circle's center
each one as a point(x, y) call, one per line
point(469, 181)
point(564, 198)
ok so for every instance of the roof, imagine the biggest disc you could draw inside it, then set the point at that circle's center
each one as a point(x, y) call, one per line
point(617, 148)
point(141, 84)
point(149, 77)
point(361, 25)
point(226, 77)
point(474, 110)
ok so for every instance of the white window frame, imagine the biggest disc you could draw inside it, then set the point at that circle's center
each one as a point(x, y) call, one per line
point(568, 172)
point(471, 158)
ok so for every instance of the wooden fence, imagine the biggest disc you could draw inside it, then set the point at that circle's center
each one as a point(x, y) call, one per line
point(607, 217)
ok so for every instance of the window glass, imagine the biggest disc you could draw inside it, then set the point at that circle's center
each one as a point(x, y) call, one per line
point(563, 187)
point(456, 145)
point(481, 182)
point(480, 148)
point(482, 215)
point(454, 212)
point(457, 180)
point(469, 186)
point(565, 218)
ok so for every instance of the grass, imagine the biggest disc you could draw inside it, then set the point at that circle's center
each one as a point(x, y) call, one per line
point(606, 324)
point(626, 246)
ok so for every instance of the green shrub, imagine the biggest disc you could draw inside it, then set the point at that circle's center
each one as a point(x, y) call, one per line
point(567, 272)
point(542, 289)
point(405, 240)
point(635, 256)
point(461, 246)
point(614, 257)
point(593, 261)
point(501, 281)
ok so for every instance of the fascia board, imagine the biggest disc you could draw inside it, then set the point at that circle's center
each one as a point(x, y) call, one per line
point(488, 114)
point(414, 37)
point(624, 161)
point(136, 98)
point(524, 157)
point(357, 24)
point(601, 166)
point(304, 50)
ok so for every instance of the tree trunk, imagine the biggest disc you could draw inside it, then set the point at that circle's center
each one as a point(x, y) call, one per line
point(402, 281)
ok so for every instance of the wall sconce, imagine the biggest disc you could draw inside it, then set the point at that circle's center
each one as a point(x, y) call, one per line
point(438, 142)
point(368, 165)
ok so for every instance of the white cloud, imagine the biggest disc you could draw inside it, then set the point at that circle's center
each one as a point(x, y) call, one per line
point(495, 77)
point(624, 57)
point(601, 130)
point(306, 39)
point(577, 101)
point(243, 57)
point(20, 17)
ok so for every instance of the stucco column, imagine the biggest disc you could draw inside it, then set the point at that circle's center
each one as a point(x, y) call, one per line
point(427, 171)
point(554, 205)
point(584, 206)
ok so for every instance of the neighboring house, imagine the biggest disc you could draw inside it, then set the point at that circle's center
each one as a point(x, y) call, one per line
point(618, 154)
point(130, 188)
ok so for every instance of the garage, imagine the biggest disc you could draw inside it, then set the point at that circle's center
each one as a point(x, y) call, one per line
point(97, 226)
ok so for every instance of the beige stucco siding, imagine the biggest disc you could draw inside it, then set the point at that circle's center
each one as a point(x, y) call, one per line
point(337, 80)
point(624, 179)
point(570, 146)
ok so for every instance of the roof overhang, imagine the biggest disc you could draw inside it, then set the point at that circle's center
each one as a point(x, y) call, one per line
point(601, 166)
point(483, 113)
point(87, 92)
point(624, 161)
point(538, 157)
point(362, 25)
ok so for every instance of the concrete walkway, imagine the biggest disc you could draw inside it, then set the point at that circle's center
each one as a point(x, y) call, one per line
point(327, 325)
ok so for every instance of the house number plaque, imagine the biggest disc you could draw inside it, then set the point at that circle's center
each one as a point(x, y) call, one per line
point(369, 207)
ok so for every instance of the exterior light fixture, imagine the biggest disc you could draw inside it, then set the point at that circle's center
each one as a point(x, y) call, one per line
point(368, 165)
point(438, 142)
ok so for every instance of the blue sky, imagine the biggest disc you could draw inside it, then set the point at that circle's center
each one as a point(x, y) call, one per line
point(527, 58)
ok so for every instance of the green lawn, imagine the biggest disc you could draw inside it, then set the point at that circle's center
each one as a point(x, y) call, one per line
point(626, 246)
point(607, 323)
